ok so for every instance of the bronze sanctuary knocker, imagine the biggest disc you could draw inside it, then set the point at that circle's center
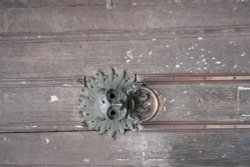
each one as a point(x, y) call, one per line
point(116, 102)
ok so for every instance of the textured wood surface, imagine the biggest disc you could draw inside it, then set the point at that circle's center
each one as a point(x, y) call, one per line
point(133, 149)
point(46, 46)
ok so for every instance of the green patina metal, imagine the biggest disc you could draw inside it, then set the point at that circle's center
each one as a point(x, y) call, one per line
point(115, 103)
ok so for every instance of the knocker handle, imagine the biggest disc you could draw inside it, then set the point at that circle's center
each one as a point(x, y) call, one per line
point(154, 104)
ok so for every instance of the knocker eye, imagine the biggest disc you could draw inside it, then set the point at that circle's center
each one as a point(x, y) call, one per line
point(112, 95)
point(113, 113)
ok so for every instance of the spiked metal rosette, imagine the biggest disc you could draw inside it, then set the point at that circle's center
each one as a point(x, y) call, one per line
point(116, 103)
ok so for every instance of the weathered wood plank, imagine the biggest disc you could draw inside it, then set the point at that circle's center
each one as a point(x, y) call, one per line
point(135, 149)
point(47, 104)
point(34, 109)
point(117, 35)
point(61, 16)
point(46, 45)
point(49, 3)
point(70, 59)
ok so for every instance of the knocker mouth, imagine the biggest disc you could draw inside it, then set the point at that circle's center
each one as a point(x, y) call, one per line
point(115, 105)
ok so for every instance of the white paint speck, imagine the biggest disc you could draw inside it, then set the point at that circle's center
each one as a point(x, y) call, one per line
point(213, 58)
point(172, 101)
point(122, 159)
point(243, 88)
point(170, 11)
point(39, 36)
point(141, 55)
point(154, 39)
point(66, 85)
point(129, 52)
point(47, 141)
point(134, 4)
point(78, 126)
point(177, 65)
point(187, 53)
point(218, 62)
point(127, 61)
point(232, 43)
point(199, 38)
point(150, 53)
point(202, 55)
point(235, 66)
point(202, 49)
point(203, 60)
point(245, 115)
point(34, 126)
point(53, 98)
point(167, 46)
point(86, 160)
point(243, 54)
point(208, 51)
point(191, 57)
point(167, 66)
point(130, 56)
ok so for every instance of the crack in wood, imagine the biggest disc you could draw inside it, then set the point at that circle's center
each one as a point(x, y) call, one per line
point(150, 126)
point(119, 35)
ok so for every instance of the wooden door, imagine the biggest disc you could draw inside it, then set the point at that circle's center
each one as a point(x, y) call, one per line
point(46, 45)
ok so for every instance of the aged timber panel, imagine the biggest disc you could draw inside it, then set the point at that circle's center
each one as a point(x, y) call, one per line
point(47, 45)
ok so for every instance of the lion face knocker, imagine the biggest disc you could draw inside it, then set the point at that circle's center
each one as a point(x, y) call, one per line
point(116, 103)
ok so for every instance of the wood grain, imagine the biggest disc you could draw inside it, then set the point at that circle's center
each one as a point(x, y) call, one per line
point(25, 109)
point(71, 59)
point(47, 46)
point(125, 15)
point(134, 149)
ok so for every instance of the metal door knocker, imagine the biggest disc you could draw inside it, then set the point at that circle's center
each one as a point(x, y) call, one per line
point(115, 102)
